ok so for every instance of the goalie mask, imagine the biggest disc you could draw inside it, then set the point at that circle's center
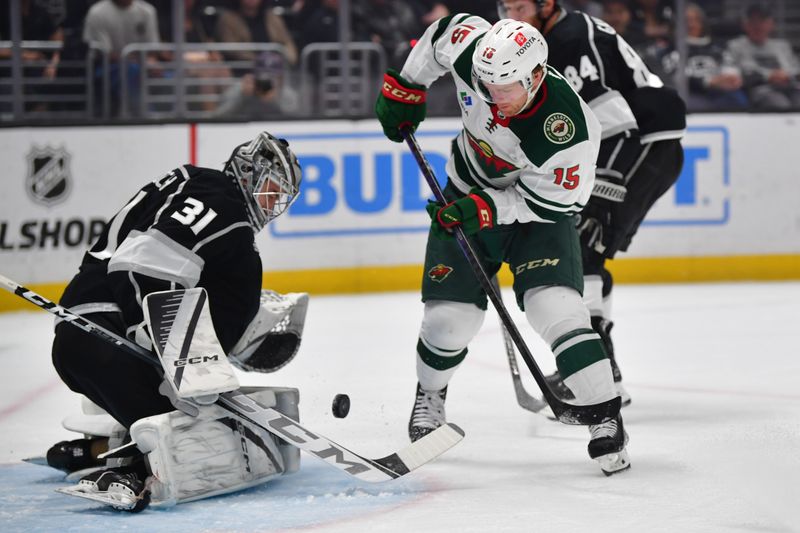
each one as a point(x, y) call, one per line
point(268, 174)
point(510, 53)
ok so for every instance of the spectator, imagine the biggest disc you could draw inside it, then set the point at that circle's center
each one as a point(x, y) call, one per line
point(260, 94)
point(252, 22)
point(715, 82)
point(391, 24)
point(114, 24)
point(322, 23)
point(590, 7)
point(655, 16)
point(38, 24)
point(486, 9)
point(429, 11)
point(205, 67)
point(769, 66)
point(618, 15)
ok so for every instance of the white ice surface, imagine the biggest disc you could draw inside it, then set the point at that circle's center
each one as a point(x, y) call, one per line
point(714, 372)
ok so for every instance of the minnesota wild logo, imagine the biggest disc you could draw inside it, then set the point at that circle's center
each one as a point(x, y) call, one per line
point(559, 128)
point(439, 272)
point(492, 164)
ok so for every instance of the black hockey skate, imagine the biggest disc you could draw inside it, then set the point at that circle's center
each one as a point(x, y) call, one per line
point(607, 446)
point(427, 414)
point(122, 488)
point(73, 455)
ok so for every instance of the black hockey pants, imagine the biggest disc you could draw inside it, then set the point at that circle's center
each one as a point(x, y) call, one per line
point(659, 169)
point(124, 386)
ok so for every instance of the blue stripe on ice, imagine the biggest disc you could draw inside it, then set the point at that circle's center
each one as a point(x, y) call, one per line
point(315, 495)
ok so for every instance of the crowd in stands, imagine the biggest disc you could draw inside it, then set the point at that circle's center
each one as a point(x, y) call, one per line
point(729, 66)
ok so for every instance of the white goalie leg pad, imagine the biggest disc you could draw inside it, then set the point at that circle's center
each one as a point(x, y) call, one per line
point(195, 366)
point(214, 453)
point(273, 337)
point(92, 421)
point(555, 311)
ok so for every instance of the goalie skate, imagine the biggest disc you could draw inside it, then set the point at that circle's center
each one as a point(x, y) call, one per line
point(122, 491)
point(607, 446)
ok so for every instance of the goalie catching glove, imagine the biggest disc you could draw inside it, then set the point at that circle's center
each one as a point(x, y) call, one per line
point(400, 103)
point(273, 337)
point(473, 212)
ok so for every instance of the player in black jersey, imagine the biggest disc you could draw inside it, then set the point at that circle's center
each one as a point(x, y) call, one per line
point(640, 153)
point(193, 227)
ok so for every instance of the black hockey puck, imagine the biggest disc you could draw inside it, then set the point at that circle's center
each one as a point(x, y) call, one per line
point(340, 405)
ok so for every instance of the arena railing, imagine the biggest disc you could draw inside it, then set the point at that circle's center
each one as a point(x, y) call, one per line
point(27, 95)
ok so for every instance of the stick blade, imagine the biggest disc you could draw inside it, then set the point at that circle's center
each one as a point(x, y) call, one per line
point(423, 450)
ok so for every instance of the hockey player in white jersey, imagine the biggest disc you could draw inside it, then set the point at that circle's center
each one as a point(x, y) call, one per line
point(189, 234)
point(522, 166)
point(640, 153)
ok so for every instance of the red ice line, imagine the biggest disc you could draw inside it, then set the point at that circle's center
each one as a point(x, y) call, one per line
point(28, 398)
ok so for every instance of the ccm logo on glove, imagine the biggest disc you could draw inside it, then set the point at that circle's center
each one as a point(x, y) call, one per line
point(483, 213)
point(474, 212)
point(394, 90)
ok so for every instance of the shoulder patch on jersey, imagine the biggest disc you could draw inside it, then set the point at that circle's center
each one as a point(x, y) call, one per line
point(559, 128)
point(463, 63)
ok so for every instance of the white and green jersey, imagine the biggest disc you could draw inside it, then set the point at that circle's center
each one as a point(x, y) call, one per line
point(538, 166)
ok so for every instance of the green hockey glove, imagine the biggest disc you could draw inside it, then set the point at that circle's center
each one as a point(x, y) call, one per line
point(400, 103)
point(474, 212)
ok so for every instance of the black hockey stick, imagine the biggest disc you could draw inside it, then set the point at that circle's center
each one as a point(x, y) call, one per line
point(524, 399)
point(383, 469)
point(565, 412)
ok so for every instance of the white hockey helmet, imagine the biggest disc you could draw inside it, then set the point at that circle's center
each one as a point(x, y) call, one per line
point(267, 167)
point(509, 52)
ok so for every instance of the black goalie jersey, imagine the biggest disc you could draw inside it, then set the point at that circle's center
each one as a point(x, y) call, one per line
point(611, 77)
point(187, 229)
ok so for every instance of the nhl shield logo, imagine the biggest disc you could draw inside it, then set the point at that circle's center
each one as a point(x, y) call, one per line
point(48, 179)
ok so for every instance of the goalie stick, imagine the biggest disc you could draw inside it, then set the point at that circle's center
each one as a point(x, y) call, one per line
point(524, 399)
point(392, 466)
point(565, 412)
